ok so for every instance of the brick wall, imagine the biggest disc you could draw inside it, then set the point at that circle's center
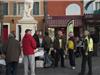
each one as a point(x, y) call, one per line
point(8, 18)
point(58, 8)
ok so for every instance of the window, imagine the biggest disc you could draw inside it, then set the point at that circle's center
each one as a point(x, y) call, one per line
point(71, 9)
point(20, 9)
point(14, 9)
point(97, 5)
point(36, 8)
point(5, 8)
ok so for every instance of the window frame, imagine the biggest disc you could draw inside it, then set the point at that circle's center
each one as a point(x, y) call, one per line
point(39, 9)
point(96, 5)
point(17, 8)
point(5, 9)
point(70, 6)
point(14, 8)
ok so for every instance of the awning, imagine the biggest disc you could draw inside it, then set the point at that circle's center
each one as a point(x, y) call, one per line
point(62, 21)
point(97, 12)
point(92, 19)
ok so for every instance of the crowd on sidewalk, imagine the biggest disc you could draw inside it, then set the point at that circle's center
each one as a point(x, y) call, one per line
point(54, 51)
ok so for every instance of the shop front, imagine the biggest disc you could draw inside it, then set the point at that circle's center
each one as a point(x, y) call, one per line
point(56, 23)
point(92, 23)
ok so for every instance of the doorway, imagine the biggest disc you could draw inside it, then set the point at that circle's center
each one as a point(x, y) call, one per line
point(76, 31)
point(5, 33)
point(18, 32)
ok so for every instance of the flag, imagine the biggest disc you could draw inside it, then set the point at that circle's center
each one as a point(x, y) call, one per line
point(87, 5)
point(70, 28)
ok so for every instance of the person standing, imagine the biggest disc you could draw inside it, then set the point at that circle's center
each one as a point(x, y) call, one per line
point(71, 48)
point(41, 38)
point(47, 42)
point(1, 46)
point(81, 44)
point(87, 53)
point(77, 45)
point(59, 46)
point(29, 45)
point(13, 51)
point(36, 37)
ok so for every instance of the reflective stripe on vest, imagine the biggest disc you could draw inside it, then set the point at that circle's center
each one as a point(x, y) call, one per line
point(90, 44)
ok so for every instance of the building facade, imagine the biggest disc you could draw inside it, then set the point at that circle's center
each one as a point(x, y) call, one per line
point(92, 17)
point(1, 18)
point(59, 13)
point(92, 21)
point(13, 11)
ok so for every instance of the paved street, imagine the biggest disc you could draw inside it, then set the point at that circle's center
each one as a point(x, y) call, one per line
point(68, 71)
point(65, 71)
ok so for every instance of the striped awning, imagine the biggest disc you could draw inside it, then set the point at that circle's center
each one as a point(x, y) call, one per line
point(62, 21)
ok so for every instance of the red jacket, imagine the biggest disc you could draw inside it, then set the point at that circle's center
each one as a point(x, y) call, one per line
point(28, 44)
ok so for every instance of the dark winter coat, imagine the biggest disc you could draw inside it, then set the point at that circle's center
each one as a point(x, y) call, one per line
point(37, 40)
point(13, 50)
point(47, 42)
point(56, 43)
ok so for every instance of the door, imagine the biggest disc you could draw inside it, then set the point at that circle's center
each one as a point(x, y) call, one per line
point(5, 33)
point(19, 30)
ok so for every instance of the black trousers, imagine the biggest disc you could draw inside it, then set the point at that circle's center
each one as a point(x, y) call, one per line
point(95, 49)
point(71, 57)
point(11, 68)
point(86, 59)
point(59, 56)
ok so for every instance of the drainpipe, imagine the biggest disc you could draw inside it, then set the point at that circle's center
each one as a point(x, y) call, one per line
point(1, 17)
point(45, 15)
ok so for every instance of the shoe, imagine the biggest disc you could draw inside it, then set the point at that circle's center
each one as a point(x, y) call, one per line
point(63, 66)
point(80, 73)
point(73, 68)
point(89, 74)
point(56, 65)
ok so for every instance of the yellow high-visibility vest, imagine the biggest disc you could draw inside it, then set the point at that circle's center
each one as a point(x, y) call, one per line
point(70, 44)
point(90, 44)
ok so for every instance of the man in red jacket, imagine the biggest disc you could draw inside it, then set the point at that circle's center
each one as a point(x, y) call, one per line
point(29, 45)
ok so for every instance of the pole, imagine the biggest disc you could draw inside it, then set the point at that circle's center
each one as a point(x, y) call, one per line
point(45, 16)
point(1, 17)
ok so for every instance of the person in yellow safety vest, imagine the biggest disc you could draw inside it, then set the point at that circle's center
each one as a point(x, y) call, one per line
point(70, 44)
point(87, 53)
point(71, 47)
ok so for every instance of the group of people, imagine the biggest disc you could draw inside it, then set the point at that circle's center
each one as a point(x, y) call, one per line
point(54, 51)
point(86, 47)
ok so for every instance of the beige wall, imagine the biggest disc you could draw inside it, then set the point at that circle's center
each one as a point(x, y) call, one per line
point(10, 17)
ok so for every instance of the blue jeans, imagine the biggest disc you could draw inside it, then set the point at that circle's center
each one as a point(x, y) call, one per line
point(29, 64)
point(47, 60)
